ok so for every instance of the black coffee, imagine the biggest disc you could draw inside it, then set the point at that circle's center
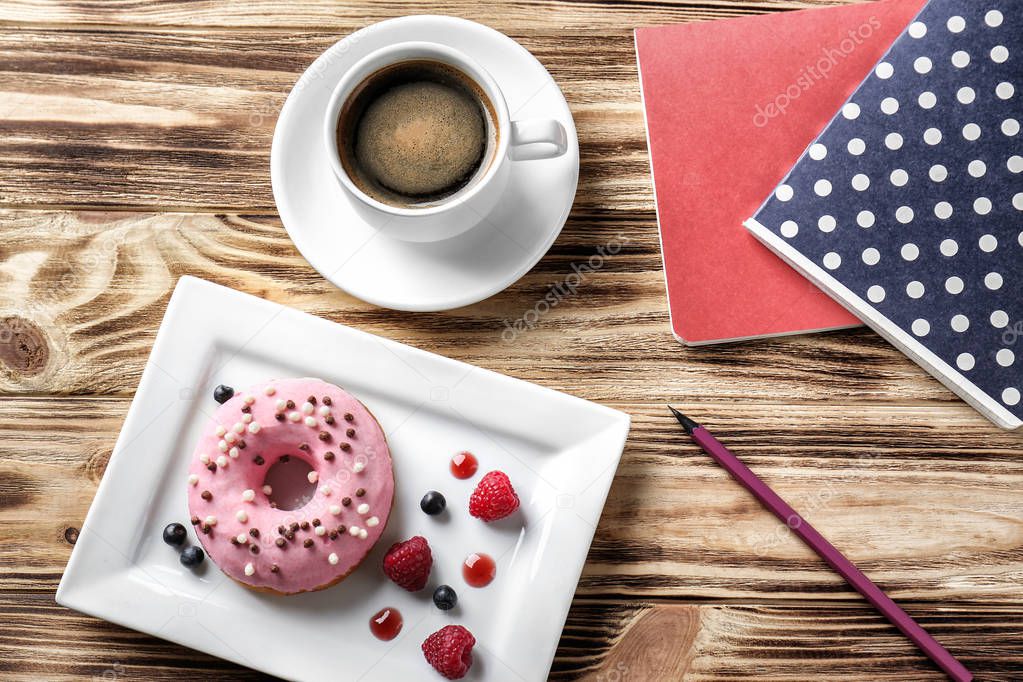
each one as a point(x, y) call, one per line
point(415, 132)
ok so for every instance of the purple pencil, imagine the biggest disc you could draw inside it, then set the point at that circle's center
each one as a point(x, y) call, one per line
point(854, 576)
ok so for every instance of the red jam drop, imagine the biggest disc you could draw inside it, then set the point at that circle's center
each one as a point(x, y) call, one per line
point(479, 570)
point(464, 465)
point(385, 624)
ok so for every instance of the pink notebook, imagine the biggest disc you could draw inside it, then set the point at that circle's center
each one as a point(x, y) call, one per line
point(730, 107)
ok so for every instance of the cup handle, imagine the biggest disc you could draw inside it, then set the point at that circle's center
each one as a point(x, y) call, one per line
point(537, 139)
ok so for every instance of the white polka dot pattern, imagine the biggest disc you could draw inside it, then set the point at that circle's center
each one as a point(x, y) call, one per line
point(916, 187)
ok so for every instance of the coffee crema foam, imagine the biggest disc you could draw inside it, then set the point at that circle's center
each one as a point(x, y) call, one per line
point(415, 133)
point(420, 139)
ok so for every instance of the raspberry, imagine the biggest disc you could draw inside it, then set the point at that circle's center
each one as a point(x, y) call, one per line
point(449, 651)
point(494, 497)
point(408, 563)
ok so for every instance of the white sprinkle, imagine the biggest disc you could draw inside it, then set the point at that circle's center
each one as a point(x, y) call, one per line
point(267, 490)
point(222, 446)
point(221, 430)
point(246, 418)
point(324, 411)
point(231, 438)
point(248, 495)
point(249, 399)
point(363, 534)
point(372, 521)
point(241, 516)
point(310, 421)
point(204, 458)
point(325, 489)
point(320, 530)
point(295, 416)
point(238, 428)
point(313, 476)
point(358, 467)
point(211, 520)
point(334, 509)
point(193, 479)
point(242, 539)
point(353, 531)
point(332, 559)
point(281, 405)
point(269, 390)
point(249, 569)
point(254, 427)
point(221, 461)
point(307, 408)
point(363, 508)
point(234, 452)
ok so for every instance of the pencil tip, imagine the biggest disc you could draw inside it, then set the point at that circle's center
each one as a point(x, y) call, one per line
point(687, 424)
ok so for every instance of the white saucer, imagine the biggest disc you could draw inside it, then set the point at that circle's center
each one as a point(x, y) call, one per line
point(422, 276)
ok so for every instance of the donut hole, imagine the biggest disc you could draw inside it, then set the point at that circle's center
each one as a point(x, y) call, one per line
point(289, 479)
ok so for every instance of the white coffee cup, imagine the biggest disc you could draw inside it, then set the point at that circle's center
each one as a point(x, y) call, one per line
point(468, 207)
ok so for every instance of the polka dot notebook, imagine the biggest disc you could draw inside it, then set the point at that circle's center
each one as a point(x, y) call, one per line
point(908, 208)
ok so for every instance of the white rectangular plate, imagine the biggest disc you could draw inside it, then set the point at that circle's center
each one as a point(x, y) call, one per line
point(560, 453)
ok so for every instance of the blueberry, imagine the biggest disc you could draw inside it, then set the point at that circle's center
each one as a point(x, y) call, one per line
point(222, 393)
point(174, 534)
point(445, 598)
point(192, 557)
point(433, 503)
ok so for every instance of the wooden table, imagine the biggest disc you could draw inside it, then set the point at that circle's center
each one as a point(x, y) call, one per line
point(135, 149)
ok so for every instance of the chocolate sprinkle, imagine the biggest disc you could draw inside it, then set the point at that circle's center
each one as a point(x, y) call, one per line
point(259, 460)
point(304, 446)
point(316, 522)
point(341, 529)
point(311, 399)
point(349, 417)
point(280, 542)
point(280, 530)
point(324, 435)
point(290, 535)
point(274, 568)
point(333, 535)
point(327, 401)
point(279, 417)
point(254, 532)
point(241, 444)
point(212, 466)
point(246, 409)
point(308, 542)
point(293, 526)
point(234, 540)
point(328, 455)
point(345, 501)
point(350, 433)
point(304, 525)
point(254, 549)
point(360, 492)
point(206, 495)
point(329, 419)
point(290, 404)
point(346, 447)
point(205, 528)
point(195, 520)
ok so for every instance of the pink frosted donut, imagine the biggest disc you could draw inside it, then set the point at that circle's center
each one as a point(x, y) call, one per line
point(242, 525)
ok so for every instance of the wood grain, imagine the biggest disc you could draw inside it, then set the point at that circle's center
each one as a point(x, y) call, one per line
point(523, 15)
point(603, 642)
point(184, 119)
point(95, 284)
point(134, 148)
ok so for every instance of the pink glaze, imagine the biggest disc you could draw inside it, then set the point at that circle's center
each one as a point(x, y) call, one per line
point(298, 568)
